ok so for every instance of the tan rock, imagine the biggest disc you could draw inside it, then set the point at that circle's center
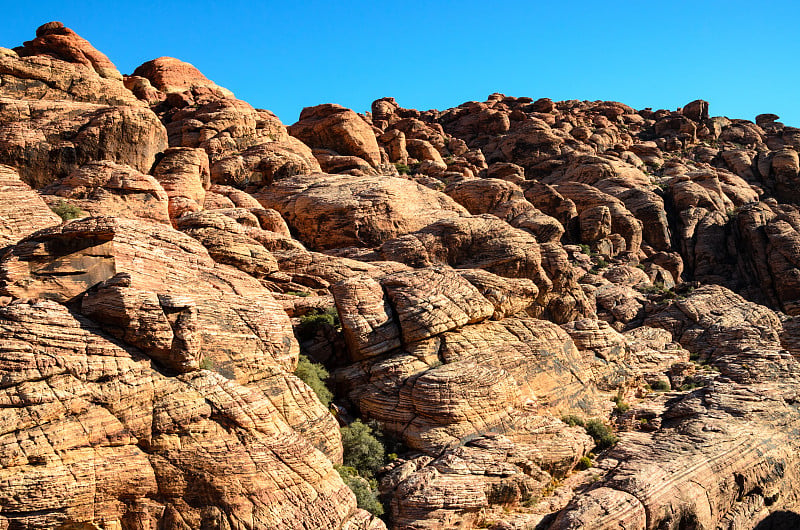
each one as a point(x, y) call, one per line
point(264, 163)
point(47, 140)
point(183, 173)
point(334, 127)
point(106, 188)
point(329, 211)
point(22, 211)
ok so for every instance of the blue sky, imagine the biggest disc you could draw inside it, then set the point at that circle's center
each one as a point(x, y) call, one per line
point(744, 57)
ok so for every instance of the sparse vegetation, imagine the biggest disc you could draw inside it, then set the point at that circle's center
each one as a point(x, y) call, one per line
point(66, 210)
point(206, 364)
point(603, 437)
point(364, 454)
point(314, 376)
point(599, 431)
point(660, 385)
point(403, 169)
point(366, 490)
point(621, 406)
point(584, 463)
point(299, 293)
point(311, 322)
point(573, 420)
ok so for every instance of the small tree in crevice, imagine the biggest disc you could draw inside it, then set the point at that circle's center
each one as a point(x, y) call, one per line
point(364, 455)
point(314, 375)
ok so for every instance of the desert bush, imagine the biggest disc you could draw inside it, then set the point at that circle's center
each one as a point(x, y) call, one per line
point(573, 420)
point(366, 491)
point(314, 375)
point(603, 437)
point(66, 210)
point(584, 463)
point(312, 321)
point(363, 451)
point(659, 385)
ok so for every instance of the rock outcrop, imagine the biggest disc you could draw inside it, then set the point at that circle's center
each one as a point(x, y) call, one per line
point(552, 314)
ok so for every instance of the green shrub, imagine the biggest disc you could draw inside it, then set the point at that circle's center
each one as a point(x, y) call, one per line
point(586, 249)
point(403, 169)
point(584, 463)
point(299, 293)
point(660, 385)
point(206, 364)
point(572, 420)
point(601, 263)
point(312, 321)
point(362, 450)
point(366, 491)
point(603, 437)
point(67, 210)
point(619, 404)
point(314, 375)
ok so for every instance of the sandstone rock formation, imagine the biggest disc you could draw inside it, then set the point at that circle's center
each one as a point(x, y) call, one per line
point(555, 314)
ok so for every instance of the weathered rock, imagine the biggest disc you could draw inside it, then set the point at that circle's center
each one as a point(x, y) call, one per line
point(264, 163)
point(55, 40)
point(228, 242)
point(168, 74)
point(329, 211)
point(431, 301)
point(335, 127)
point(116, 433)
point(222, 126)
point(506, 201)
point(109, 189)
point(45, 141)
point(22, 211)
point(729, 472)
point(183, 173)
point(42, 77)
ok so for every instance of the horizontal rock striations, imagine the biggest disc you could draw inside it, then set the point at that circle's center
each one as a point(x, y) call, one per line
point(552, 314)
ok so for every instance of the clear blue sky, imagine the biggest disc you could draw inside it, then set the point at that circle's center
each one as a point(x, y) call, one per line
point(741, 56)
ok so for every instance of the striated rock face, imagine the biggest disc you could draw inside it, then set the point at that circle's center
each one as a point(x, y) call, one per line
point(106, 188)
point(132, 446)
point(22, 211)
point(329, 211)
point(742, 429)
point(160, 440)
point(547, 311)
point(337, 128)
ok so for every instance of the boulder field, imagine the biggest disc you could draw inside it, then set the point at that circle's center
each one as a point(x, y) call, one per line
point(553, 314)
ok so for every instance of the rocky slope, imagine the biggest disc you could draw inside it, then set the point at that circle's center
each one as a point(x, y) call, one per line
point(512, 279)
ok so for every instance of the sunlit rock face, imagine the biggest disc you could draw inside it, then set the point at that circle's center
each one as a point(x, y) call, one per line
point(556, 314)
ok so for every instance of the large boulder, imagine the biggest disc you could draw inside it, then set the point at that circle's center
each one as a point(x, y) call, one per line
point(47, 140)
point(335, 127)
point(168, 74)
point(55, 40)
point(330, 211)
